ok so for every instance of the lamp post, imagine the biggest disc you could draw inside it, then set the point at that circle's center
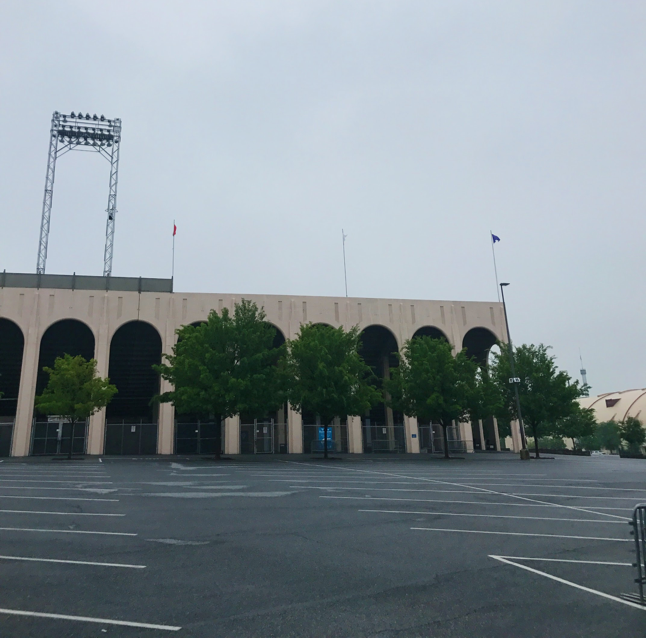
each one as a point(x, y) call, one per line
point(524, 453)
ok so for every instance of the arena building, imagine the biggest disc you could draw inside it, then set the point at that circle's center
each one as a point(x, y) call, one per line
point(617, 406)
point(127, 324)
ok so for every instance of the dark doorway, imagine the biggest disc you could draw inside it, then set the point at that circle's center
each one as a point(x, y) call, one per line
point(131, 418)
point(382, 428)
point(50, 435)
point(12, 344)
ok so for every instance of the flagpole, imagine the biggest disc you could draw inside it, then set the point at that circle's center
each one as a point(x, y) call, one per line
point(345, 272)
point(172, 276)
point(495, 268)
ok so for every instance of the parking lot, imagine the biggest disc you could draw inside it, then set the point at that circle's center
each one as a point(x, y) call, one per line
point(283, 546)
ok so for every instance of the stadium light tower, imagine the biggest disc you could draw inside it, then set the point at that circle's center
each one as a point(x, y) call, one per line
point(78, 132)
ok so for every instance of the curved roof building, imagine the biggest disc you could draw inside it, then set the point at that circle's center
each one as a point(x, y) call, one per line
point(617, 406)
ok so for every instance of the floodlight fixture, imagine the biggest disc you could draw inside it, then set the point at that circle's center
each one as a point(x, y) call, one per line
point(105, 138)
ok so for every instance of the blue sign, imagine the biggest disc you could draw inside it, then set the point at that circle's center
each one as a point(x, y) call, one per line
point(414, 436)
point(322, 433)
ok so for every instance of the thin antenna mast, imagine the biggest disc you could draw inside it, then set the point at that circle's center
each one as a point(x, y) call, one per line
point(345, 272)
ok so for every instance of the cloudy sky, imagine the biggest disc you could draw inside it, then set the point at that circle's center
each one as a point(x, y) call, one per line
point(265, 127)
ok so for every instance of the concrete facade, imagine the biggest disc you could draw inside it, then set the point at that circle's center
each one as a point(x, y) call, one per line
point(35, 309)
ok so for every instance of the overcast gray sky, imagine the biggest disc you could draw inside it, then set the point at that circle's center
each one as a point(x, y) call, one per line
point(264, 127)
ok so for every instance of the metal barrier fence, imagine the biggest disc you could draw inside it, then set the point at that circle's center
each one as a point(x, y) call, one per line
point(6, 435)
point(130, 438)
point(639, 532)
point(382, 438)
point(199, 437)
point(53, 437)
point(263, 437)
point(337, 440)
point(431, 439)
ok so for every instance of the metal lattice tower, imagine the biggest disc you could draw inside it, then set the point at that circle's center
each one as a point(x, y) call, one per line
point(84, 133)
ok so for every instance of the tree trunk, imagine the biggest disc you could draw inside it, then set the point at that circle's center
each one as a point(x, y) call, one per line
point(445, 436)
point(325, 440)
point(69, 456)
point(218, 441)
point(536, 446)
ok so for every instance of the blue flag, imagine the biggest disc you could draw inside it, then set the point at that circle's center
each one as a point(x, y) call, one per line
point(494, 238)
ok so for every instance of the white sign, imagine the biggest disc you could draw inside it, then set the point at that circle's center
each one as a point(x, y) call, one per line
point(133, 428)
point(514, 380)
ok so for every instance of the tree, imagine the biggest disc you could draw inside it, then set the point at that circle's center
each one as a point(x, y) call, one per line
point(225, 366)
point(577, 426)
point(608, 436)
point(325, 373)
point(632, 431)
point(74, 392)
point(433, 385)
point(547, 394)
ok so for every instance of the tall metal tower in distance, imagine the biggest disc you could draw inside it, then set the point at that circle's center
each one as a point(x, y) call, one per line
point(78, 132)
point(584, 378)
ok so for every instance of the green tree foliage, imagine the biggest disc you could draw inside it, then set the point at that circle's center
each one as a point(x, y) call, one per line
point(577, 426)
point(324, 373)
point(547, 394)
point(436, 387)
point(225, 366)
point(632, 432)
point(608, 436)
point(74, 391)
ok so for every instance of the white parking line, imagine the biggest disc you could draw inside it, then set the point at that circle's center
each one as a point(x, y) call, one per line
point(480, 531)
point(57, 513)
point(451, 502)
point(76, 481)
point(100, 621)
point(524, 518)
point(60, 489)
point(568, 582)
point(564, 487)
point(63, 531)
point(569, 560)
point(60, 498)
point(71, 562)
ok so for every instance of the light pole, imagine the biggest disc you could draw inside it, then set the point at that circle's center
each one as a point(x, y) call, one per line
point(524, 453)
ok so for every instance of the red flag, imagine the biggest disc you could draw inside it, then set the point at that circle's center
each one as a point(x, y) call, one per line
point(174, 230)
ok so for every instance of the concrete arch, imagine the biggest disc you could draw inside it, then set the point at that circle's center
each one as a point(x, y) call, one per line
point(478, 342)
point(12, 346)
point(431, 331)
point(134, 348)
point(66, 336)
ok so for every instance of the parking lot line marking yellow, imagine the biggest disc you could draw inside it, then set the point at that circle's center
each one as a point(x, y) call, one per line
point(71, 562)
point(64, 531)
point(100, 621)
point(569, 560)
point(481, 531)
point(568, 582)
point(525, 518)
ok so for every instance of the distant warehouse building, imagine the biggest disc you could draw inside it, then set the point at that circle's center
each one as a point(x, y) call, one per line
point(127, 324)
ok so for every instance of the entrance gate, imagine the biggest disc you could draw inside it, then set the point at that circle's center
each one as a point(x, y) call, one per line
point(53, 437)
point(263, 437)
point(132, 439)
point(201, 437)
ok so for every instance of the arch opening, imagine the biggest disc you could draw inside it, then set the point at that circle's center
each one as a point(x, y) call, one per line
point(12, 344)
point(430, 331)
point(50, 435)
point(382, 427)
point(131, 419)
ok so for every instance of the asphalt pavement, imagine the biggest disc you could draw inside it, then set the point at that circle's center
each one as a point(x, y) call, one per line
point(280, 546)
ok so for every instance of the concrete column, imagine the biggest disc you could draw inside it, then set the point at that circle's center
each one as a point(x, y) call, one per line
point(466, 434)
point(496, 433)
point(295, 431)
point(27, 391)
point(515, 436)
point(355, 440)
point(483, 442)
point(412, 434)
point(166, 415)
point(96, 433)
point(232, 435)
